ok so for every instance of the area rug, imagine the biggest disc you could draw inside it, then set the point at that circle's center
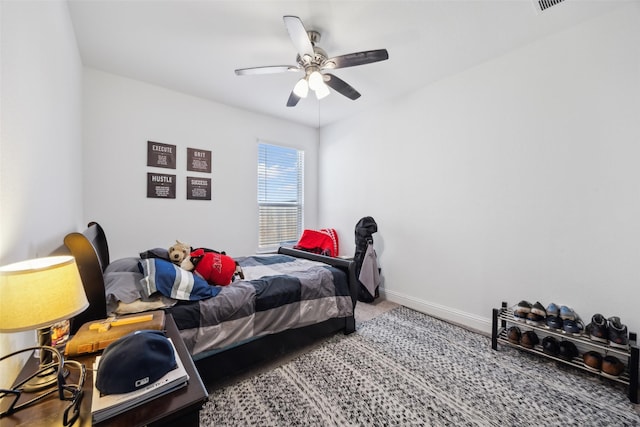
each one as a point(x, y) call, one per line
point(405, 368)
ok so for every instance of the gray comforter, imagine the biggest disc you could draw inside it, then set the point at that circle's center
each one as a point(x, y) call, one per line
point(279, 292)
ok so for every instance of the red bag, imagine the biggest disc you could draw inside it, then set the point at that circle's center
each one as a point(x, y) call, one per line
point(323, 242)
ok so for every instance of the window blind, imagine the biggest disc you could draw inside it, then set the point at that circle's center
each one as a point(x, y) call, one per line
point(280, 195)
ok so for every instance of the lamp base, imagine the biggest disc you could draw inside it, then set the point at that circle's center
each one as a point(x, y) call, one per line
point(47, 379)
point(47, 376)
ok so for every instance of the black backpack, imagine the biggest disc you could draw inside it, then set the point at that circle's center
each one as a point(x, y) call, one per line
point(364, 230)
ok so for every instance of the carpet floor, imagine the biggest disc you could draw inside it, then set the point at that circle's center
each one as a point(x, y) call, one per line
point(406, 368)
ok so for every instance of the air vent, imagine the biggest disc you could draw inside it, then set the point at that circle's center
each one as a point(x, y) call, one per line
point(542, 5)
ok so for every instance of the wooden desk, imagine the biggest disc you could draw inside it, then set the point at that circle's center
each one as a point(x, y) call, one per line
point(181, 407)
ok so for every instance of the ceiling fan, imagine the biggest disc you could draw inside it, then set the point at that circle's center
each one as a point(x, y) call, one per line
point(313, 60)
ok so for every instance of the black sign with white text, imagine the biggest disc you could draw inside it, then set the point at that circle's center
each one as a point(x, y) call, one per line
point(198, 160)
point(161, 186)
point(161, 155)
point(198, 188)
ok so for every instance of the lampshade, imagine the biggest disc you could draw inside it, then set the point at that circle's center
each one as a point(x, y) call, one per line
point(301, 88)
point(316, 80)
point(39, 292)
point(322, 91)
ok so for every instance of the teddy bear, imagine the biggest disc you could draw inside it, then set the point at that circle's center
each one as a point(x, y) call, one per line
point(178, 252)
point(216, 268)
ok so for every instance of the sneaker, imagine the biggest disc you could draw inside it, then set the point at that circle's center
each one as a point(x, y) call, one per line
point(568, 350)
point(538, 309)
point(522, 309)
point(574, 327)
point(567, 313)
point(597, 329)
point(553, 310)
point(612, 367)
point(618, 336)
point(535, 319)
point(514, 334)
point(550, 346)
point(592, 360)
point(529, 339)
point(554, 322)
point(520, 317)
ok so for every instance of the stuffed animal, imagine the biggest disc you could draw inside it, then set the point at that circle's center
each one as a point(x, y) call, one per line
point(179, 252)
point(216, 268)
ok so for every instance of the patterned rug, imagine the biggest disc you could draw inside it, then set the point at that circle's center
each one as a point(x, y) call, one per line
point(405, 368)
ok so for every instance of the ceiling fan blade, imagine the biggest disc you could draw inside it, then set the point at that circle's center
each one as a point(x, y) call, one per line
point(299, 36)
point(266, 70)
point(293, 100)
point(357, 58)
point(342, 87)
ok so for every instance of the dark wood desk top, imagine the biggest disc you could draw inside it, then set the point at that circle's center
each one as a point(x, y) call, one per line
point(179, 403)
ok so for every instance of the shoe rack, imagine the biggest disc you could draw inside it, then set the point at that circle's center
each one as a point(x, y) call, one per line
point(503, 319)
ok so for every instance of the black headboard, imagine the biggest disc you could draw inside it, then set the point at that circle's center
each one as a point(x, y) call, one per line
point(92, 256)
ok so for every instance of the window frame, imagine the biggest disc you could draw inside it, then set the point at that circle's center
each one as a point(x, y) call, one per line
point(273, 191)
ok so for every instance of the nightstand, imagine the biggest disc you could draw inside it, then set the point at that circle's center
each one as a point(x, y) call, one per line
point(180, 407)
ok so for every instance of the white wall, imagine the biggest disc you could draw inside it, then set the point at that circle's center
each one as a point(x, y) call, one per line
point(40, 150)
point(517, 179)
point(121, 115)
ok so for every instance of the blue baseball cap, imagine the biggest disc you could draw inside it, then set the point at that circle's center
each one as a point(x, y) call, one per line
point(134, 361)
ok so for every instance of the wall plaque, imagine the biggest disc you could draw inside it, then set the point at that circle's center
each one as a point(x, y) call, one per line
point(161, 155)
point(161, 186)
point(198, 160)
point(198, 188)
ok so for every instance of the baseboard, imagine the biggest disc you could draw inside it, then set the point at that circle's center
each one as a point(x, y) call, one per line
point(461, 318)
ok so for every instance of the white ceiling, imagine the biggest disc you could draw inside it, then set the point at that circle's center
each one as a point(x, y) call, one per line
point(195, 46)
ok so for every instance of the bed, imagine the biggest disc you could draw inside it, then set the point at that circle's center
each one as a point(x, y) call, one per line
point(287, 300)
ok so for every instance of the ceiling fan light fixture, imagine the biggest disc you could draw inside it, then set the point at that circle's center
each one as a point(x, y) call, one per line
point(301, 88)
point(316, 81)
point(312, 59)
point(322, 91)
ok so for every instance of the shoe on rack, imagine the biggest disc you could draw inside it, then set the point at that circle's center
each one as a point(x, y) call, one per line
point(550, 346)
point(612, 367)
point(520, 317)
point(529, 339)
point(514, 334)
point(592, 360)
point(597, 329)
point(567, 313)
point(554, 322)
point(535, 319)
point(553, 310)
point(618, 336)
point(574, 327)
point(538, 309)
point(568, 350)
point(522, 309)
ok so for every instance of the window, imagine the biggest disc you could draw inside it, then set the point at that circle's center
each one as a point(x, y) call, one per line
point(280, 195)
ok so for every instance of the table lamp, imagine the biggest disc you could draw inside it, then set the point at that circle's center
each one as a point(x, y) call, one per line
point(35, 294)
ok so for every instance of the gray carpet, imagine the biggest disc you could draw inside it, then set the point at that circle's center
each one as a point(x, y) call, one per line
point(406, 368)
